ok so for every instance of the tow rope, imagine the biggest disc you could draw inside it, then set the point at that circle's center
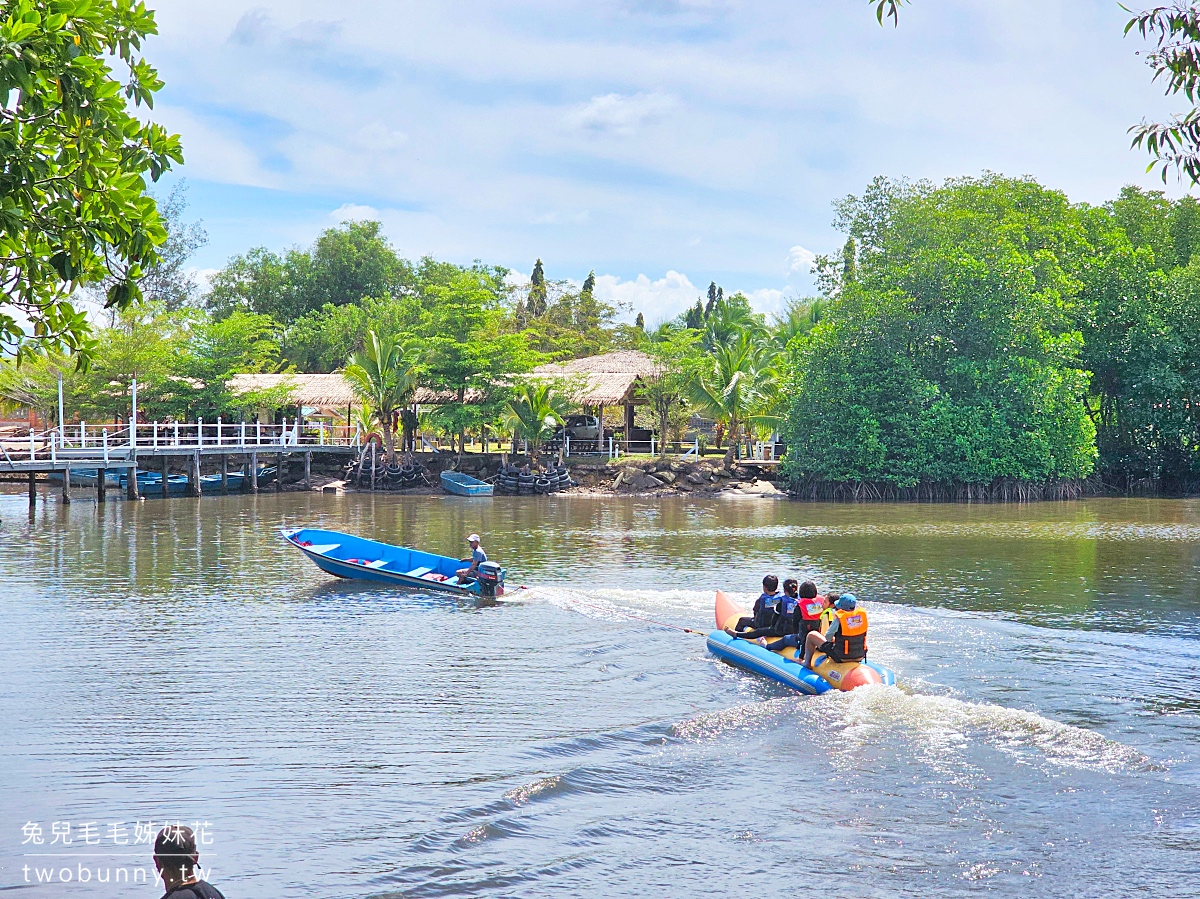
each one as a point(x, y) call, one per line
point(623, 614)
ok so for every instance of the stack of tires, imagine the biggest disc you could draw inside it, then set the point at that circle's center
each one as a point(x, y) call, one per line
point(562, 478)
point(508, 479)
point(526, 483)
point(513, 481)
point(400, 476)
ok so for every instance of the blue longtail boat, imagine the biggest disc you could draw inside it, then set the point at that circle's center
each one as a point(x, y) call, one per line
point(348, 556)
point(464, 485)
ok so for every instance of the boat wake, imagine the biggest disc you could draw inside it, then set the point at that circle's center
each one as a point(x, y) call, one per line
point(937, 725)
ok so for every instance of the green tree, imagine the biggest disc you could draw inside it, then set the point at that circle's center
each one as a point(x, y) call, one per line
point(533, 413)
point(536, 305)
point(954, 356)
point(666, 395)
point(73, 202)
point(218, 349)
point(145, 342)
point(344, 265)
point(799, 317)
point(468, 357)
point(32, 383)
point(385, 377)
point(733, 384)
point(320, 341)
point(729, 319)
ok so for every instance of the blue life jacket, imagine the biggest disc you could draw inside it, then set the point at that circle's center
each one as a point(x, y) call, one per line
point(765, 610)
point(789, 611)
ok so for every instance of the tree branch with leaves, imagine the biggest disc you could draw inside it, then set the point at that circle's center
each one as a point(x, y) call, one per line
point(74, 207)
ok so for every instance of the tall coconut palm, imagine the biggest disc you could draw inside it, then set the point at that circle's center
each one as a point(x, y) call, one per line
point(533, 413)
point(734, 384)
point(383, 376)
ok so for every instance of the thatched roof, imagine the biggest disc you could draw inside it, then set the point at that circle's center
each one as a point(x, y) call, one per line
point(610, 379)
point(315, 391)
point(327, 391)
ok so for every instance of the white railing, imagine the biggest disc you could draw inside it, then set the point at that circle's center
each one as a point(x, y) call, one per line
point(99, 445)
point(241, 435)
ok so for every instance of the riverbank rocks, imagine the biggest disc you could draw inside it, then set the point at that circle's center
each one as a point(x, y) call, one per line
point(679, 477)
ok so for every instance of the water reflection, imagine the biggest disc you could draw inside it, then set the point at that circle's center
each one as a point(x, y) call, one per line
point(176, 657)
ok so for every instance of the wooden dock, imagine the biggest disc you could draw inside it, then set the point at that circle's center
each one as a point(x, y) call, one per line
point(117, 448)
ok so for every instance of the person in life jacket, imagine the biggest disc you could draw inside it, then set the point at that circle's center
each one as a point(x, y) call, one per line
point(804, 616)
point(764, 615)
point(846, 638)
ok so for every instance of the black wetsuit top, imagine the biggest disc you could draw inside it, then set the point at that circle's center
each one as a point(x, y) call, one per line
point(201, 889)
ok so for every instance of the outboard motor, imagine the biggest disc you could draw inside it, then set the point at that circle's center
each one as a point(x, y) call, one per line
point(491, 579)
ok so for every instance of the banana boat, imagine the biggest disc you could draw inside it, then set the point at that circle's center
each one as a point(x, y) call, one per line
point(784, 666)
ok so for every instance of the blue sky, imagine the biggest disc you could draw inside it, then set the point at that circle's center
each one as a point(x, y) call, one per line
point(663, 143)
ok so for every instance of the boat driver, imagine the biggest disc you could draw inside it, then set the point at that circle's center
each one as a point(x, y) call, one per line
point(478, 557)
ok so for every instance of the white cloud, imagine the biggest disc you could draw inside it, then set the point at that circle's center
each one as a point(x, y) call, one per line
point(352, 212)
point(618, 114)
point(703, 135)
point(656, 300)
point(669, 296)
point(378, 137)
point(767, 300)
point(212, 151)
point(800, 261)
point(515, 278)
point(202, 276)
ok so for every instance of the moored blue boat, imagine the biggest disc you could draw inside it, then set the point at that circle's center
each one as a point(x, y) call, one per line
point(464, 485)
point(87, 477)
point(348, 556)
point(150, 482)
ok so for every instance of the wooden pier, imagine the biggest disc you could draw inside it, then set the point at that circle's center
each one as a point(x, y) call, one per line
point(107, 448)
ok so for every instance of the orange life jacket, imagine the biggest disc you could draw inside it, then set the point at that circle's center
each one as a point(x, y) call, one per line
point(850, 644)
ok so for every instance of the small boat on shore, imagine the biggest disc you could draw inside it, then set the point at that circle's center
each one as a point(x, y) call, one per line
point(784, 666)
point(464, 485)
point(348, 556)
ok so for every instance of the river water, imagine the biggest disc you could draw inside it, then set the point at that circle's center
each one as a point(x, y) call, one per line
point(174, 661)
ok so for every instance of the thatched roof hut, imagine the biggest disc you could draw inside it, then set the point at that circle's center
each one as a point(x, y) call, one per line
point(330, 391)
point(313, 391)
point(610, 379)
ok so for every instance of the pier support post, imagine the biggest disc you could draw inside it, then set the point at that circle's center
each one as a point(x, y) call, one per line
point(66, 494)
point(224, 473)
point(308, 470)
point(32, 488)
point(254, 472)
point(278, 472)
point(165, 469)
point(194, 474)
point(101, 483)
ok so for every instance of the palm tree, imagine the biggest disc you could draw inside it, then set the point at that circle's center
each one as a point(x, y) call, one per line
point(384, 377)
point(735, 385)
point(799, 317)
point(730, 318)
point(533, 413)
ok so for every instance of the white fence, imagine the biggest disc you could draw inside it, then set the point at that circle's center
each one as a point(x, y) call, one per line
point(100, 445)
